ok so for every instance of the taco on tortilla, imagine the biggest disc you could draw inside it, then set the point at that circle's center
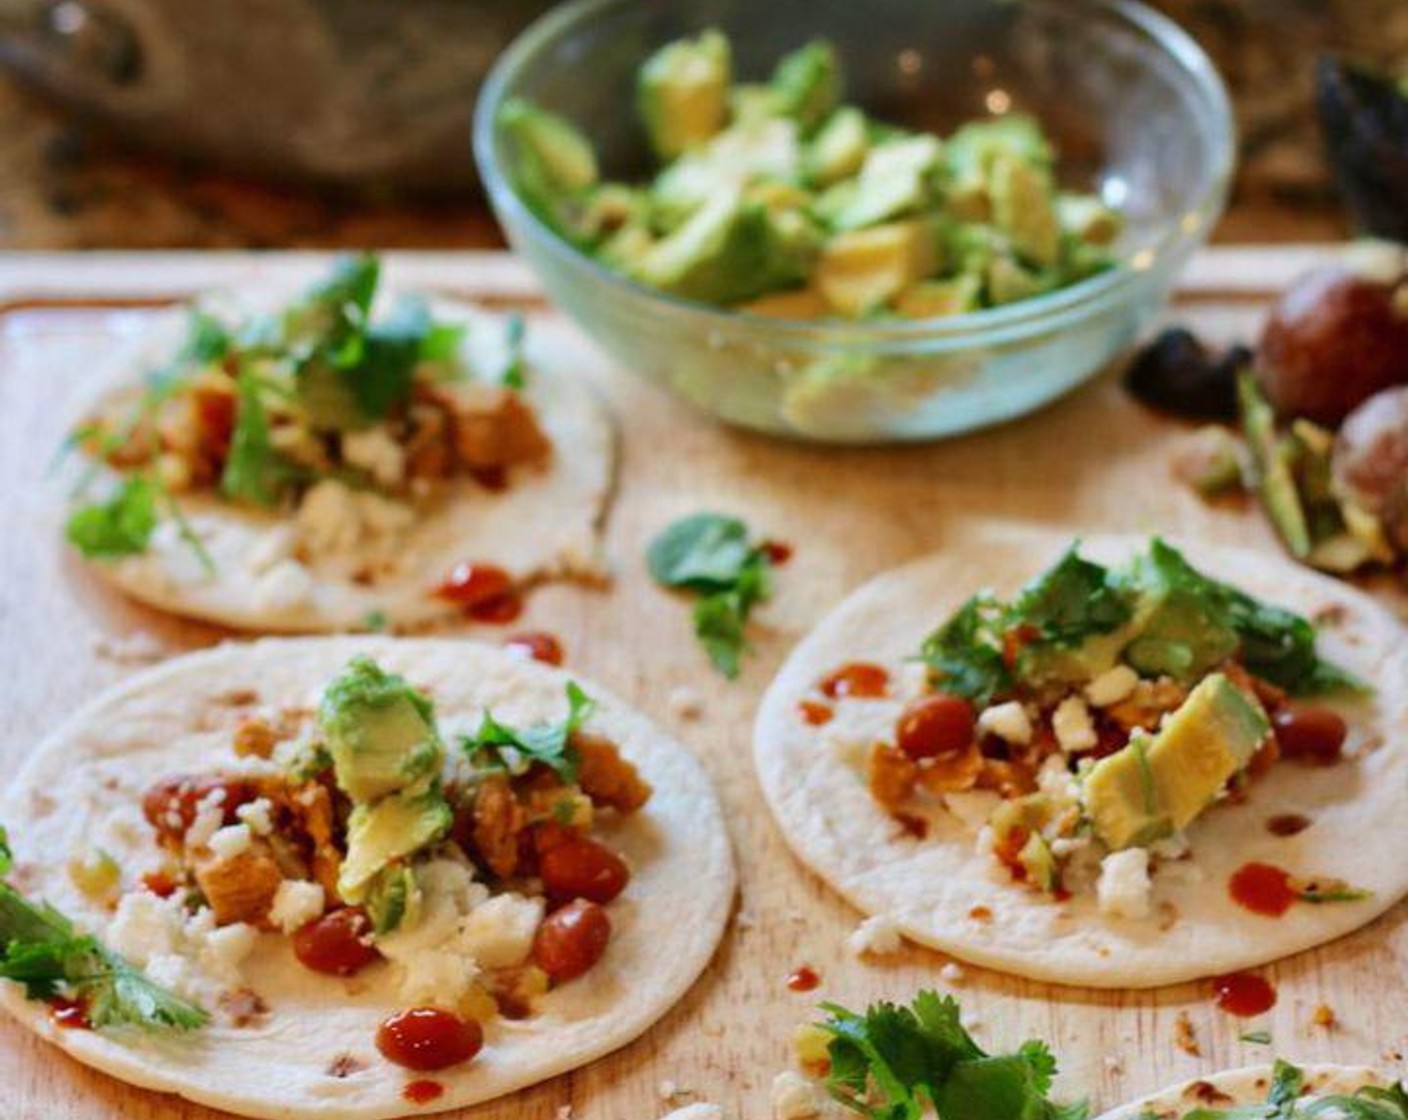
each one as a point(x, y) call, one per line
point(1121, 764)
point(1280, 1092)
point(355, 878)
point(337, 459)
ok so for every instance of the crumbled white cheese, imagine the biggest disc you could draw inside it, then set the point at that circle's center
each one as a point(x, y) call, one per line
point(226, 949)
point(700, 1110)
point(144, 926)
point(287, 584)
point(296, 903)
point(1124, 886)
point(685, 703)
point(794, 1097)
point(230, 841)
point(377, 453)
point(139, 647)
point(1074, 728)
point(434, 966)
point(1008, 721)
point(1055, 780)
point(878, 936)
point(327, 517)
point(1112, 686)
point(974, 807)
point(272, 547)
point(499, 933)
point(382, 517)
point(952, 973)
point(184, 952)
point(258, 814)
point(210, 815)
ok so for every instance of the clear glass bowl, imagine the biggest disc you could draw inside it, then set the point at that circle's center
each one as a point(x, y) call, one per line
point(1135, 107)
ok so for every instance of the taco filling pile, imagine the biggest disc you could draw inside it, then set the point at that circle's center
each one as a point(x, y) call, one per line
point(1083, 726)
point(355, 833)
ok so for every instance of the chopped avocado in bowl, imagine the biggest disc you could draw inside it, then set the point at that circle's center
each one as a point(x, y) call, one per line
point(814, 219)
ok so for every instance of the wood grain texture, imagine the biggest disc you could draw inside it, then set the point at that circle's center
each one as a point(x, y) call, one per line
point(1092, 462)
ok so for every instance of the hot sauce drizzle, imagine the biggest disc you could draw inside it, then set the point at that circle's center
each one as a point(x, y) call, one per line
point(484, 591)
point(1244, 994)
point(423, 1091)
point(71, 1014)
point(539, 645)
point(860, 679)
point(777, 552)
point(1287, 824)
point(804, 979)
point(1262, 888)
point(815, 713)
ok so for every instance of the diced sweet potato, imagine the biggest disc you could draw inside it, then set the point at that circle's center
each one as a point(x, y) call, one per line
point(606, 777)
point(492, 426)
point(497, 822)
point(240, 888)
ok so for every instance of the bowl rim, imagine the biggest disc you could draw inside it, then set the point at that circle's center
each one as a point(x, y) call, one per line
point(1176, 233)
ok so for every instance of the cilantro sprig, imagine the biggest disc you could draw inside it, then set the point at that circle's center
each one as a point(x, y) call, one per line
point(43, 951)
point(900, 1063)
point(1285, 1101)
point(123, 524)
point(498, 746)
point(711, 555)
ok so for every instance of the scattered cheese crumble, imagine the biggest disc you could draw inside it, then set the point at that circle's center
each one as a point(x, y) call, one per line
point(1112, 686)
point(296, 903)
point(230, 841)
point(1074, 729)
point(952, 973)
point(794, 1097)
point(1124, 886)
point(1008, 721)
point(878, 935)
point(258, 815)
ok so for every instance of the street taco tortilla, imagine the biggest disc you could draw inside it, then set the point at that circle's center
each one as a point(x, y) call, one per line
point(340, 458)
point(356, 878)
point(1122, 766)
point(1283, 1091)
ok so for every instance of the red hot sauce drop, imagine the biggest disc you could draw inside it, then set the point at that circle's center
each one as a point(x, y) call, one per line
point(1244, 994)
point(804, 979)
point(814, 713)
point(423, 1091)
point(859, 679)
point(71, 1014)
point(485, 592)
point(1262, 888)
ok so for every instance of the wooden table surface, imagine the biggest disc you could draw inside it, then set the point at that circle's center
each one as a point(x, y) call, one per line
point(850, 514)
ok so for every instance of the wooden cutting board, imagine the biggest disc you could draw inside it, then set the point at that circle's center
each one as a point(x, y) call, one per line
point(1092, 462)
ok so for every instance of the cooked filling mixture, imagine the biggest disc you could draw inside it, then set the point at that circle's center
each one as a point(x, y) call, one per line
point(351, 424)
point(471, 874)
point(777, 198)
point(1290, 1095)
point(1082, 727)
point(911, 1062)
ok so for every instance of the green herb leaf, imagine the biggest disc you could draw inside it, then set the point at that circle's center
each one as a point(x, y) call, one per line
point(1071, 601)
point(121, 526)
point(7, 857)
point(900, 1063)
point(1334, 894)
point(515, 374)
point(965, 653)
point(254, 471)
point(498, 746)
point(43, 952)
point(710, 554)
point(1258, 1038)
point(381, 381)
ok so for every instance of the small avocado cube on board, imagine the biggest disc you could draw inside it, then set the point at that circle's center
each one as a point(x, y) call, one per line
point(682, 93)
point(392, 829)
point(380, 732)
point(862, 271)
point(1160, 783)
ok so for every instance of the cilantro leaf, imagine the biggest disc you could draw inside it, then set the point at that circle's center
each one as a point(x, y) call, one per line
point(1369, 1103)
point(965, 653)
point(381, 381)
point(207, 340)
point(7, 857)
point(41, 950)
point(711, 555)
point(901, 1063)
point(121, 526)
point(254, 471)
point(515, 374)
point(1071, 601)
point(498, 746)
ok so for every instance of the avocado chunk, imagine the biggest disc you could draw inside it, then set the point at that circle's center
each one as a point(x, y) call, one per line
point(380, 732)
point(801, 303)
point(765, 149)
point(1010, 281)
point(553, 162)
point(393, 898)
point(972, 149)
point(682, 93)
point(731, 250)
point(1272, 476)
point(896, 179)
point(935, 299)
point(1022, 209)
point(807, 84)
point(1087, 219)
point(1159, 783)
point(862, 271)
point(838, 150)
point(392, 829)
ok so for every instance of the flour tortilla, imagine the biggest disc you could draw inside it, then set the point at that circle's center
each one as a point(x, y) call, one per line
point(1244, 1087)
point(930, 886)
point(544, 525)
point(83, 787)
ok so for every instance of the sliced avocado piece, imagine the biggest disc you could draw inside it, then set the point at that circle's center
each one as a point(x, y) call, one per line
point(767, 149)
point(807, 83)
point(1176, 631)
point(682, 93)
point(1051, 663)
point(1212, 462)
point(1272, 477)
point(838, 150)
point(380, 732)
point(1022, 209)
point(971, 150)
point(750, 102)
point(862, 271)
point(967, 200)
point(553, 162)
point(730, 251)
point(390, 830)
point(1088, 219)
point(1009, 281)
point(393, 898)
point(803, 303)
point(777, 195)
point(1039, 862)
point(897, 178)
point(934, 299)
point(1158, 784)
point(326, 398)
